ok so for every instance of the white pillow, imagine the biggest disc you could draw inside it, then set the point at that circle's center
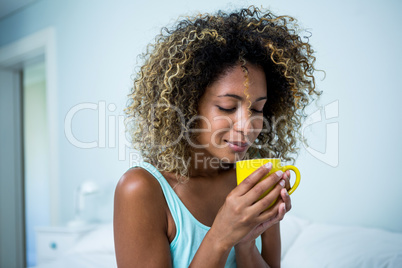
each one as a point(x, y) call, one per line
point(291, 228)
point(324, 245)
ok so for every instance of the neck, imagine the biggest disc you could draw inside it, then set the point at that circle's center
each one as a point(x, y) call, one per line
point(204, 165)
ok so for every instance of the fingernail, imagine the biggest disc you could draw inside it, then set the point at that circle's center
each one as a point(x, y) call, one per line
point(282, 183)
point(286, 193)
point(268, 165)
point(279, 173)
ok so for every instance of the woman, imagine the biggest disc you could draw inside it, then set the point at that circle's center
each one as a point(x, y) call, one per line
point(213, 90)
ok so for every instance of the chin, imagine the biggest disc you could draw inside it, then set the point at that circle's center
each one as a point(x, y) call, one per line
point(232, 158)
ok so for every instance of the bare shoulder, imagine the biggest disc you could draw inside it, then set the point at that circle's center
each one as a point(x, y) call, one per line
point(140, 220)
point(137, 183)
point(138, 194)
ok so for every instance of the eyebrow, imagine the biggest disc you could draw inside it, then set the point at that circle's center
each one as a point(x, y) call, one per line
point(240, 98)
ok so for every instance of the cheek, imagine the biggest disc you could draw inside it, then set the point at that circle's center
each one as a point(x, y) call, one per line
point(220, 126)
point(257, 126)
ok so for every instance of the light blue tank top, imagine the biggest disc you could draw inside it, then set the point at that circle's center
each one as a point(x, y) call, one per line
point(189, 231)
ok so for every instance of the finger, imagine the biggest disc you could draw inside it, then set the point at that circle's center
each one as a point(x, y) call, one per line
point(286, 199)
point(249, 182)
point(281, 212)
point(286, 176)
point(268, 184)
point(270, 198)
point(274, 214)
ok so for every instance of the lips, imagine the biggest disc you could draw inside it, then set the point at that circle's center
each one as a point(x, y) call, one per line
point(238, 146)
point(238, 143)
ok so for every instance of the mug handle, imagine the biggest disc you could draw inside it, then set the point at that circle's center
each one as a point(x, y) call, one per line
point(297, 181)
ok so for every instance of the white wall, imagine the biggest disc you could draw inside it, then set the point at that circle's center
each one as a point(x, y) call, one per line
point(357, 44)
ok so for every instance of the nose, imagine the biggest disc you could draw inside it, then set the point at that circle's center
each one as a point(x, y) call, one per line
point(242, 121)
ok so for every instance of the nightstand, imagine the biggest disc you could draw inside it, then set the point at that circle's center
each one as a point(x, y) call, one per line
point(52, 242)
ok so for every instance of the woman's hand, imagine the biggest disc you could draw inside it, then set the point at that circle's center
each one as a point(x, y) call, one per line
point(243, 217)
point(281, 206)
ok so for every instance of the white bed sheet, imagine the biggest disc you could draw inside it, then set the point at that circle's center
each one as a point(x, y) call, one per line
point(94, 250)
point(304, 244)
point(82, 260)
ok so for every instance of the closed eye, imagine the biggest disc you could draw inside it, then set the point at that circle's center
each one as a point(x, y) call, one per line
point(233, 109)
point(226, 110)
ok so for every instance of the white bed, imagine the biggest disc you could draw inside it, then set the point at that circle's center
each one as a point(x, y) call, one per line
point(304, 244)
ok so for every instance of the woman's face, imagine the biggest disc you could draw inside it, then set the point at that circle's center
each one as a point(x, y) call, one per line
point(228, 122)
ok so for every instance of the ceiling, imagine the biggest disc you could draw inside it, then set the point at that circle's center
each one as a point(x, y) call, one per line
point(9, 6)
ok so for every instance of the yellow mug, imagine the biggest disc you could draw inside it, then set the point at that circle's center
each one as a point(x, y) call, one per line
point(244, 168)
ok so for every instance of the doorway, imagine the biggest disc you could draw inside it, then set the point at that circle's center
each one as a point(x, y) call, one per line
point(29, 191)
point(35, 154)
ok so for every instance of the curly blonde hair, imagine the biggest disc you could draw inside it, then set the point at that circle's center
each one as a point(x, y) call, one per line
point(196, 52)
